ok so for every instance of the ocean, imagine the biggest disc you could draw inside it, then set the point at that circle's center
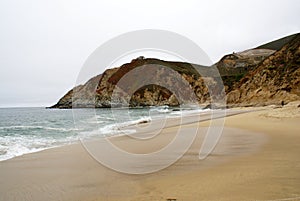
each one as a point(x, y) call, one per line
point(27, 130)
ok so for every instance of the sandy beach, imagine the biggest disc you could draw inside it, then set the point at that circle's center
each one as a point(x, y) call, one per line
point(149, 101)
point(257, 158)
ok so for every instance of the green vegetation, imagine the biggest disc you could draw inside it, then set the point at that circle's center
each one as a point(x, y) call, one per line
point(277, 44)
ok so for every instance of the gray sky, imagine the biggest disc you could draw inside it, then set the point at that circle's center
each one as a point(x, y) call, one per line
point(43, 44)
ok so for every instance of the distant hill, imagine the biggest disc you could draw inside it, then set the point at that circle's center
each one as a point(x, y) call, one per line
point(277, 44)
point(268, 74)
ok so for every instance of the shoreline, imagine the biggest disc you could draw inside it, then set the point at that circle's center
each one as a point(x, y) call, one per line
point(267, 171)
point(174, 121)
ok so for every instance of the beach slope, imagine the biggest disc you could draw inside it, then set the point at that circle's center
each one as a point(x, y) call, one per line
point(257, 158)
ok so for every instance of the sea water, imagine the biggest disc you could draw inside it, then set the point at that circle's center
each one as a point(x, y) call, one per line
point(27, 130)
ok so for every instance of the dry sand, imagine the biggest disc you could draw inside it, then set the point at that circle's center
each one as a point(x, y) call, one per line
point(257, 158)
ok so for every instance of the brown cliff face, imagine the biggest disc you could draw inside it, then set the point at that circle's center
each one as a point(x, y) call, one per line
point(148, 94)
point(274, 81)
point(97, 92)
point(251, 77)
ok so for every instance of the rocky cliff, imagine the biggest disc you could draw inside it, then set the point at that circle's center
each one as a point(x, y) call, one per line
point(268, 74)
point(275, 80)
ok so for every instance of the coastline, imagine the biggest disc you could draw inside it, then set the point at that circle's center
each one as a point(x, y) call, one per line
point(256, 159)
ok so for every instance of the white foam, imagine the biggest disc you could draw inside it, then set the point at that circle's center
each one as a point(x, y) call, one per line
point(24, 127)
point(114, 129)
point(160, 109)
point(12, 146)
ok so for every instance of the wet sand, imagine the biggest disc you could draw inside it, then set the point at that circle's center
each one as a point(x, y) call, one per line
point(257, 158)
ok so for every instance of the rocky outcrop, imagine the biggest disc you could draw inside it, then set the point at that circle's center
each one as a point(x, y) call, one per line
point(80, 96)
point(251, 77)
point(98, 91)
point(276, 80)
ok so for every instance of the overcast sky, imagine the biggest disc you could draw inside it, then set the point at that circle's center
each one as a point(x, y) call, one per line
point(43, 44)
